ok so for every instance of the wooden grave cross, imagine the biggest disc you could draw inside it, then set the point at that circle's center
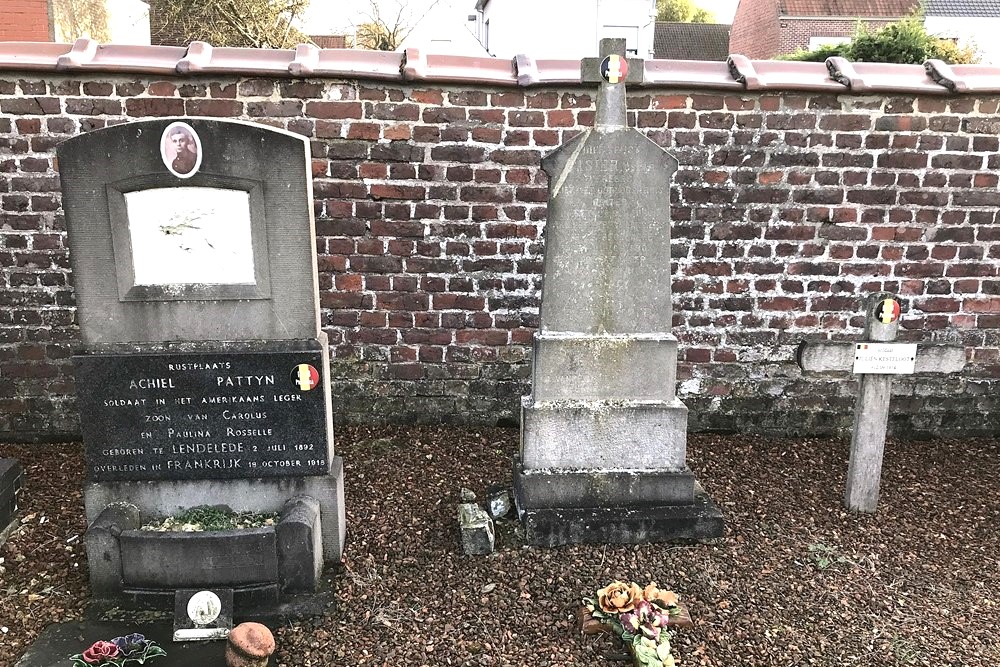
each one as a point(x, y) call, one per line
point(875, 360)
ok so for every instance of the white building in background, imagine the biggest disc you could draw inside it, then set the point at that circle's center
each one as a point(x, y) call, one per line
point(563, 29)
point(129, 21)
point(974, 23)
point(108, 21)
point(445, 29)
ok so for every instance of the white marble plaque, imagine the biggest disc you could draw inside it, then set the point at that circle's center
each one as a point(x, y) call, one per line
point(885, 358)
point(189, 235)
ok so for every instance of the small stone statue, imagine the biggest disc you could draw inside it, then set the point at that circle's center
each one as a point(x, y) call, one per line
point(249, 645)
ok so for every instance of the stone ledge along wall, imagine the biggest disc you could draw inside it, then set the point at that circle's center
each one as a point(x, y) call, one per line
point(430, 207)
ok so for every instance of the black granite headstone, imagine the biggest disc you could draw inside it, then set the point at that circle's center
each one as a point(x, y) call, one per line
point(203, 416)
point(203, 374)
point(60, 640)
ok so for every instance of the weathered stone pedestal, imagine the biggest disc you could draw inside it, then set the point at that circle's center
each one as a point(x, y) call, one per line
point(604, 470)
point(603, 435)
point(613, 507)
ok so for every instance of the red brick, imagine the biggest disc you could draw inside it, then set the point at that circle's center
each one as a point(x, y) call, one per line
point(397, 132)
point(154, 107)
point(982, 305)
point(279, 109)
point(218, 108)
point(481, 337)
point(427, 96)
point(30, 106)
point(707, 102)
point(386, 191)
point(468, 98)
point(162, 89)
point(334, 110)
point(517, 118)
point(487, 135)
point(256, 88)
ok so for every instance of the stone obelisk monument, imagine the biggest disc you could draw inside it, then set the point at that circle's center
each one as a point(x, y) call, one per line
point(603, 435)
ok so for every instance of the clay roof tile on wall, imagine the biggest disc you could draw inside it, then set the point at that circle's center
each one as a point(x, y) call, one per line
point(859, 8)
point(306, 60)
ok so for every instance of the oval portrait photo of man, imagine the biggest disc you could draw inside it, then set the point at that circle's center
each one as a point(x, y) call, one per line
point(180, 149)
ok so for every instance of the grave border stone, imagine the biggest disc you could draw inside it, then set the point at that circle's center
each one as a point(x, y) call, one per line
point(11, 486)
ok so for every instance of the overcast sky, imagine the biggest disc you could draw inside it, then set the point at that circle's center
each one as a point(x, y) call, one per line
point(333, 16)
point(723, 10)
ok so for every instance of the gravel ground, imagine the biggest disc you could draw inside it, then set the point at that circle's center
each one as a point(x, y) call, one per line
point(795, 581)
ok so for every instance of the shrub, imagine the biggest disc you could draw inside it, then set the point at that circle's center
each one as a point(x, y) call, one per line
point(905, 42)
point(952, 53)
point(818, 55)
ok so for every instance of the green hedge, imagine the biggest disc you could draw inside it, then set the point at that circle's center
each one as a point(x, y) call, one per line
point(905, 42)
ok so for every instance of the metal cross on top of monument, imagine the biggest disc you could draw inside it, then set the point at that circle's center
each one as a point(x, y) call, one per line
point(604, 436)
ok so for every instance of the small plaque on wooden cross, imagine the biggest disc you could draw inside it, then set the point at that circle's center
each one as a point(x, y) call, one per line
point(885, 358)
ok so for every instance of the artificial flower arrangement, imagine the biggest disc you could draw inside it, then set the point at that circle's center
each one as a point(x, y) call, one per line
point(640, 617)
point(118, 652)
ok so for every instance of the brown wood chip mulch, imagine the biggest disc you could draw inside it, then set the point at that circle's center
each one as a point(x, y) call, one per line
point(796, 580)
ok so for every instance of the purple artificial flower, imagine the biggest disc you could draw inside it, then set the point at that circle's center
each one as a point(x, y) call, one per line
point(131, 644)
point(630, 621)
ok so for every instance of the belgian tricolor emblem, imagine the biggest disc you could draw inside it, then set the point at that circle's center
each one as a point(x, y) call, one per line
point(614, 69)
point(305, 377)
point(887, 311)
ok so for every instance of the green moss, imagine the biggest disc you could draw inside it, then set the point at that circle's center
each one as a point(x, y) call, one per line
point(205, 518)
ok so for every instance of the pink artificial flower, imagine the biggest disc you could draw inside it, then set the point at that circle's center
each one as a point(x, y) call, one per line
point(100, 652)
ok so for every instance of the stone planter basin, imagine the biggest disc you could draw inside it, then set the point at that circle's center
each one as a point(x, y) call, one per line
point(261, 565)
point(217, 559)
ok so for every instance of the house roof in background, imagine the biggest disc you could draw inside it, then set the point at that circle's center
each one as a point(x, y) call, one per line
point(860, 8)
point(691, 41)
point(976, 8)
point(330, 41)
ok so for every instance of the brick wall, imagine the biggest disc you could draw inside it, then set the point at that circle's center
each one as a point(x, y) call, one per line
point(24, 21)
point(795, 33)
point(430, 207)
point(755, 32)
